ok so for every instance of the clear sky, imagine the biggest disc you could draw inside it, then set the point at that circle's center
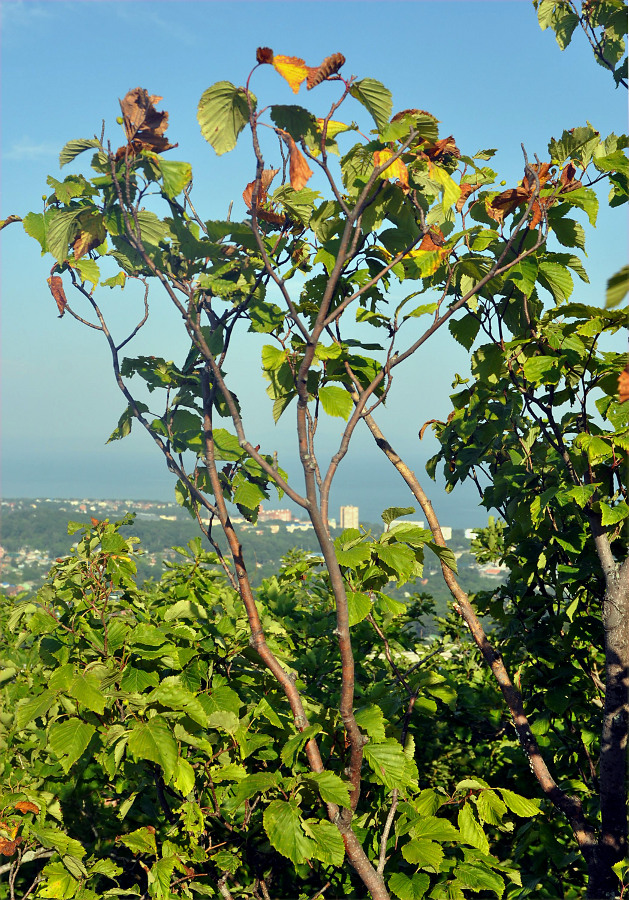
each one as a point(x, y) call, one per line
point(483, 68)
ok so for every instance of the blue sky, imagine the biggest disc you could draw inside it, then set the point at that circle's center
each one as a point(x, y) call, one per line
point(483, 68)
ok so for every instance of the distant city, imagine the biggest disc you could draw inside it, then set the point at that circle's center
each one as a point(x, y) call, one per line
point(33, 534)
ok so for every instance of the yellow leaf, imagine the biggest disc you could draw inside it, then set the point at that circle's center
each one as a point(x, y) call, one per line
point(335, 128)
point(293, 69)
point(396, 169)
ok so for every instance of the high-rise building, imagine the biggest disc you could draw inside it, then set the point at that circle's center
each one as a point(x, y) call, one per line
point(274, 515)
point(349, 517)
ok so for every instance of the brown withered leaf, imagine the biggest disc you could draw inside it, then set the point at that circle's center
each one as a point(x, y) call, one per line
point(55, 283)
point(299, 170)
point(247, 195)
point(9, 221)
point(8, 848)
point(466, 191)
point(426, 424)
point(25, 806)
point(568, 181)
point(329, 66)
point(506, 202)
point(144, 125)
point(265, 181)
point(623, 385)
point(84, 242)
point(444, 149)
point(264, 56)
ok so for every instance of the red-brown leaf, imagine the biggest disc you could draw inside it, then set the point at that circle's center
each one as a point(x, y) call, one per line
point(466, 190)
point(623, 385)
point(329, 66)
point(443, 149)
point(300, 171)
point(264, 56)
point(55, 284)
point(25, 806)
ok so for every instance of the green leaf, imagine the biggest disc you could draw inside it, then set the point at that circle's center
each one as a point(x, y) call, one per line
point(60, 231)
point(387, 761)
point(73, 148)
point(425, 854)
point(556, 279)
point(371, 720)
point(542, 370)
point(57, 882)
point(222, 114)
point(394, 512)
point(409, 888)
point(611, 515)
point(336, 401)
point(85, 689)
point(328, 843)
point(617, 288)
point(294, 744)
point(435, 829)
point(376, 99)
point(88, 269)
point(284, 829)
point(153, 740)
point(52, 837)
point(490, 807)
point(471, 831)
point(331, 788)
point(569, 232)
point(69, 740)
point(519, 805)
point(465, 330)
point(142, 840)
point(259, 782)
point(173, 696)
point(183, 776)
point(446, 556)
point(358, 606)
point(175, 175)
point(480, 878)
point(34, 708)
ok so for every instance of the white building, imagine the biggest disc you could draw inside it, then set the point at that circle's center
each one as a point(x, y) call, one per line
point(349, 517)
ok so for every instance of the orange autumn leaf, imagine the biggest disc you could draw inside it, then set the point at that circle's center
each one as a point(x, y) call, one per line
point(443, 150)
point(247, 195)
point(293, 69)
point(8, 848)
point(25, 806)
point(299, 170)
point(568, 181)
point(396, 169)
point(466, 191)
point(55, 284)
point(623, 385)
point(264, 56)
point(329, 66)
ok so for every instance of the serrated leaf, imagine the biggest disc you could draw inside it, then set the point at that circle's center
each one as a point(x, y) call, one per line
point(434, 829)
point(331, 788)
point(611, 515)
point(387, 761)
point(69, 740)
point(259, 782)
point(284, 830)
point(153, 740)
point(490, 807)
point(542, 370)
point(222, 114)
point(394, 512)
point(34, 708)
point(294, 744)
point(617, 287)
point(425, 854)
point(175, 175)
point(328, 843)
point(471, 831)
point(376, 99)
point(336, 401)
point(73, 148)
point(85, 689)
point(371, 720)
point(142, 840)
point(480, 878)
point(409, 888)
point(358, 606)
point(521, 806)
